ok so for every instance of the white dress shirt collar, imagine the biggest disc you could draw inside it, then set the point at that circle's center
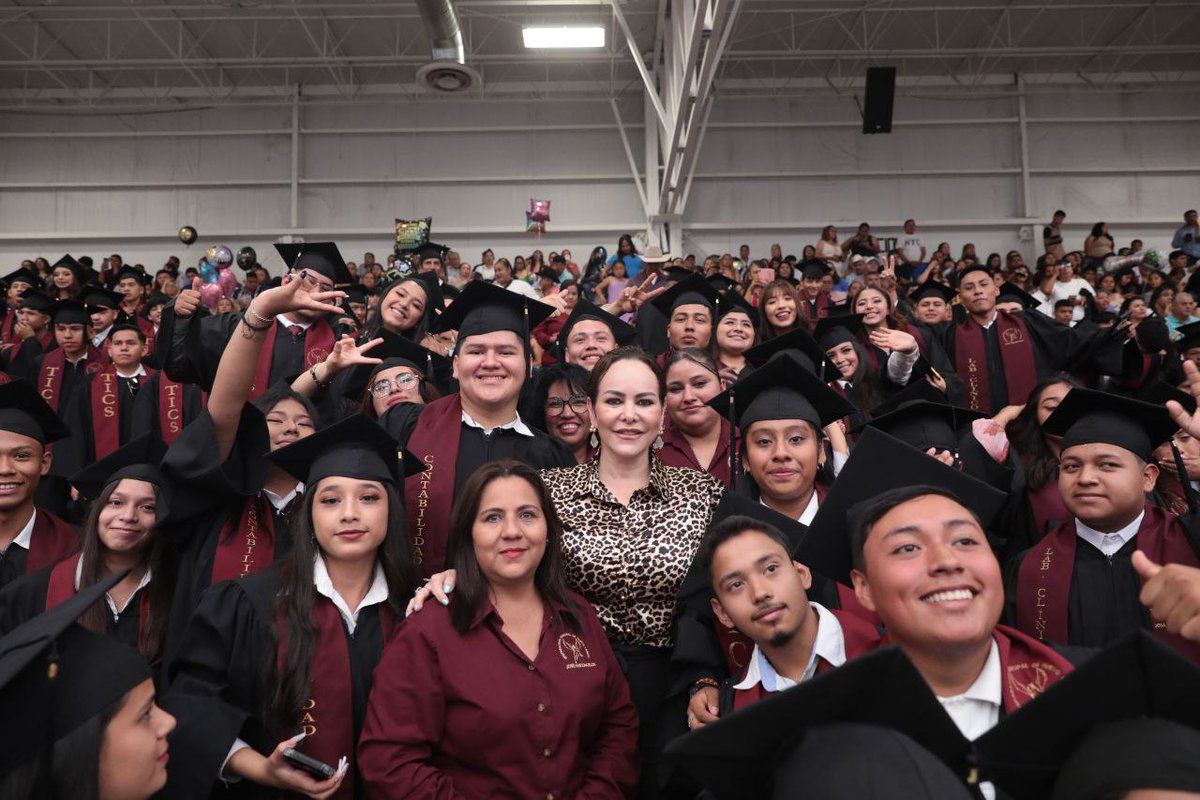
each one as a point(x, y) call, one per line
point(25, 537)
point(830, 644)
point(284, 322)
point(1109, 543)
point(515, 424)
point(810, 511)
point(378, 593)
point(280, 503)
point(977, 710)
point(140, 372)
point(112, 606)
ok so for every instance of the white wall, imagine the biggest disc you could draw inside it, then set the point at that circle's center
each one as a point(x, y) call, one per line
point(769, 171)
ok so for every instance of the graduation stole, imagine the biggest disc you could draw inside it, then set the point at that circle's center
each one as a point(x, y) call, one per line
point(6, 327)
point(1016, 353)
point(429, 495)
point(106, 410)
point(62, 588)
point(1044, 577)
point(51, 541)
point(50, 375)
point(1027, 666)
point(812, 310)
point(328, 715)
point(1049, 510)
point(170, 407)
point(246, 543)
point(318, 341)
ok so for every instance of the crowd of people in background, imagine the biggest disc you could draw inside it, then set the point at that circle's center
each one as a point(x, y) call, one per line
point(874, 520)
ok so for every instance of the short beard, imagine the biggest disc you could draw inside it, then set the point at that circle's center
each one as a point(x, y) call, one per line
point(781, 638)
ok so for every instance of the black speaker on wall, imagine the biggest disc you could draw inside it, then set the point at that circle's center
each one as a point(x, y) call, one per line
point(881, 90)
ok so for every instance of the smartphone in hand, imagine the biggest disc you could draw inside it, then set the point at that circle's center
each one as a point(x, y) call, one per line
point(318, 769)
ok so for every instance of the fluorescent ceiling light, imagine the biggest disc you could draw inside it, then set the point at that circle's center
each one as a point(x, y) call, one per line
point(544, 38)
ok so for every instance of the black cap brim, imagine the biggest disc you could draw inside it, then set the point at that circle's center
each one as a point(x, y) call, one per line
point(322, 257)
point(932, 289)
point(356, 447)
point(485, 308)
point(623, 332)
point(781, 389)
point(838, 328)
point(794, 341)
point(25, 412)
point(394, 347)
point(1087, 416)
point(692, 290)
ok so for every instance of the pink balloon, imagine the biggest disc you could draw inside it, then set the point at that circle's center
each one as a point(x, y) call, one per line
point(210, 293)
point(226, 281)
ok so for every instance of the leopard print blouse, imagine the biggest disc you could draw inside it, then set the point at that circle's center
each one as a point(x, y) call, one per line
point(629, 561)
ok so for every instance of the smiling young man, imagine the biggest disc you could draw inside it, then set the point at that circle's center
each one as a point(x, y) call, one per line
point(590, 332)
point(689, 307)
point(1078, 585)
point(460, 432)
point(30, 538)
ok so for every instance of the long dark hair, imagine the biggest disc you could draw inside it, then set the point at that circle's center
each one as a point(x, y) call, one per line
point(895, 318)
point(294, 603)
point(766, 330)
point(375, 319)
point(534, 407)
point(865, 390)
point(74, 769)
point(158, 591)
point(471, 588)
point(1041, 465)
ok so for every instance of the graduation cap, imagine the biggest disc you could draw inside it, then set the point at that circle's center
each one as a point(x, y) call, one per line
point(99, 297)
point(932, 289)
point(356, 447)
point(485, 307)
point(137, 274)
point(676, 274)
point(813, 269)
point(25, 412)
point(1139, 684)
point(1189, 337)
point(322, 257)
point(781, 389)
point(920, 416)
point(1159, 392)
point(753, 752)
point(877, 464)
point(797, 343)
point(82, 274)
point(431, 250)
point(56, 675)
point(138, 460)
point(692, 290)
point(69, 312)
point(37, 300)
point(622, 331)
point(1011, 293)
point(722, 283)
point(838, 329)
point(124, 321)
point(435, 293)
point(23, 275)
point(396, 351)
point(355, 293)
point(733, 301)
point(1087, 416)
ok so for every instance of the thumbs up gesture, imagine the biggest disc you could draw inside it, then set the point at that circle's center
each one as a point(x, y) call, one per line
point(1172, 593)
point(188, 300)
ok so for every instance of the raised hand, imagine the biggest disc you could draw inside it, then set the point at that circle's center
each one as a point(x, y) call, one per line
point(188, 300)
point(347, 353)
point(296, 295)
point(1172, 593)
point(891, 339)
point(1187, 422)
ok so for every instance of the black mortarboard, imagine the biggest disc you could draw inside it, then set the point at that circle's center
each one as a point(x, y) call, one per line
point(676, 274)
point(431, 250)
point(56, 675)
point(24, 411)
point(781, 389)
point(733, 301)
point(69, 312)
point(355, 293)
point(877, 464)
point(739, 755)
point(1189, 337)
point(838, 329)
point(485, 307)
point(99, 297)
point(37, 300)
point(974, 266)
point(396, 351)
point(1011, 293)
point(82, 273)
point(1138, 677)
point(932, 289)
point(622, 331)
point(435, 293)
point(920, 416)
point(692, 290)
point(24, 275)
point(813, 268)
point(1086, 416)
point(138, 275)
point(1119, 757)
point(797, 343)
point(356, 447)
point(122, 322)
point(1159, 392)
point(722, 283)
point(322, 257)
point(138, 460)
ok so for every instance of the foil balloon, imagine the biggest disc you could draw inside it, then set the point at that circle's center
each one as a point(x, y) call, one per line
point(539, 210)
point(226, 281)
point(188, 235)
point(210, 293)
point(247, 258)
point(219, 256)
point(532, 225)
point(208, 273)
point(412, 234)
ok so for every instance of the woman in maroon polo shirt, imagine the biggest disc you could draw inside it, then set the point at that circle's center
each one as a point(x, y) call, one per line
point(512, 690)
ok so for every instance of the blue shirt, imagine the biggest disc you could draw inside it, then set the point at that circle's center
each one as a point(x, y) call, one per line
point(1180, 241)
point(633, 264)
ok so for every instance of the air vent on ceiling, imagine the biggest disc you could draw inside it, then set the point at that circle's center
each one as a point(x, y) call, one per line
point(447, 77)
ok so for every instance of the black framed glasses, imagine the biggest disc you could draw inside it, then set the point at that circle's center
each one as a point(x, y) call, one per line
point(382, 388)
point(555, 405)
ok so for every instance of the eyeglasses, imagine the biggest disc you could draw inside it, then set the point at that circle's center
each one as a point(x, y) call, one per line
point(382, 388)
point(555, 405)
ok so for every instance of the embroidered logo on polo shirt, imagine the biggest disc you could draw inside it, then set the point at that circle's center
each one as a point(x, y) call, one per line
point(574, 651)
